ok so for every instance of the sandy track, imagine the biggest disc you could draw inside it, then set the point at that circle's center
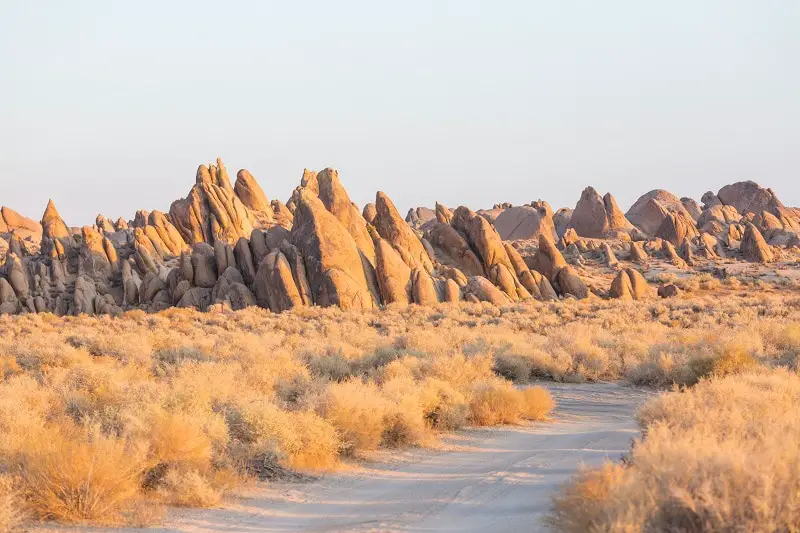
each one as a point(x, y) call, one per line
point(496, 480)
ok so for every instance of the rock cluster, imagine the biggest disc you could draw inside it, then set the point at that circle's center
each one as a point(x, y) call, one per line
point(228, 246)
point(212, 211)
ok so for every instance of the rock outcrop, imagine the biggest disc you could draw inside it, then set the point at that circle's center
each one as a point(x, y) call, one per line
point(750, 197)
point(451, 248)
point(754, 247)
point(418, 217)
point(692, 207)
point(228, 247)
point(561, 220)
point(629, 284)
point(597, 217)
point(369, 213)
point(482, 237)
point(649, 211)
point(333, 262)
point(548, 259)
point(55, 234)
point(391, 227)
point(275, 286)
point(336, 200)
point(637, 253)
point(719, 215)
point(676, 227)
point(25, 228)
point(394, 275)
point(253, 198)
point(211, 211)
point(525, 222)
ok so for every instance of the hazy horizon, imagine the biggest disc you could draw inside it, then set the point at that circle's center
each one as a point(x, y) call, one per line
point(109, 108)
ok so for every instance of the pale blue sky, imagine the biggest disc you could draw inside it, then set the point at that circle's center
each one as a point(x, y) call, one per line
point(110, 105)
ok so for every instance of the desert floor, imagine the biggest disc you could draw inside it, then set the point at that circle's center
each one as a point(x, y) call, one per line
point(498, 479)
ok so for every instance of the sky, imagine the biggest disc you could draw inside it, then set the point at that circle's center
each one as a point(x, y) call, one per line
point(110, 106)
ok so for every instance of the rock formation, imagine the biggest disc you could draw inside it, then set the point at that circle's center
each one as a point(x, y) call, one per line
point(253, 198)
point(649, 211)
point(418, 217)
point(561, 220)
point(749, 197)
point(211, 211)
point(391, 226)
point(394, 275)
point(629, 284)
point(676, 227)
point(228, 247)
point(338, 203)
point(333, 262)
point(754, 247)
point(598, 217)
point(637, 253)
point(525, 222)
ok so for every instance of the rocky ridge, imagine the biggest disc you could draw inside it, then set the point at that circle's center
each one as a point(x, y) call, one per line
point(227, 246)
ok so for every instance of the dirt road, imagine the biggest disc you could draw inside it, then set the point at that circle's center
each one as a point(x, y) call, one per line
point(496, 480)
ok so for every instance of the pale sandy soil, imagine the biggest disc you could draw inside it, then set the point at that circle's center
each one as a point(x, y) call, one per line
point(495, 480)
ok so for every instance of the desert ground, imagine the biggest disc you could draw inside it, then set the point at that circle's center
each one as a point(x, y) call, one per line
point(240, 364)
point(498, 479)
point(335, 420)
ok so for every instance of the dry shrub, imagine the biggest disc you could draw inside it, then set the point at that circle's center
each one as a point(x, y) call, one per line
point(175, 438)
point(514, 367)
point(71, 478)
point(581, 502)
point(202, 396)
point(186, 487)
point(715, 458)
point(11, 515)
point(445, 407)
point(357, 411)
point(495, 402)
point(404, 423)
point(300, 439)
point(734, 359)
point(537, 403)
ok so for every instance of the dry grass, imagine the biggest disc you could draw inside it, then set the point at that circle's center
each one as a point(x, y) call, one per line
point(497, 402)
point(177, 407)
point(78, 477)
point(11, 514)
point(719, 456)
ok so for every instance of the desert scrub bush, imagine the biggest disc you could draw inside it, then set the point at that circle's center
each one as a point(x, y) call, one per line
point(357, 410)
point(714, 458)
point(297, 439)
point(514, 367)
point(204, 400)
point(11, 514)
point(405, 422)
point(537, 403)
point(446, 408)
point(187, 487)
point(177, 439)
point(579, 504)
point(497, 402)
point(708, 282)
point(72, 477)
point(686, 360)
